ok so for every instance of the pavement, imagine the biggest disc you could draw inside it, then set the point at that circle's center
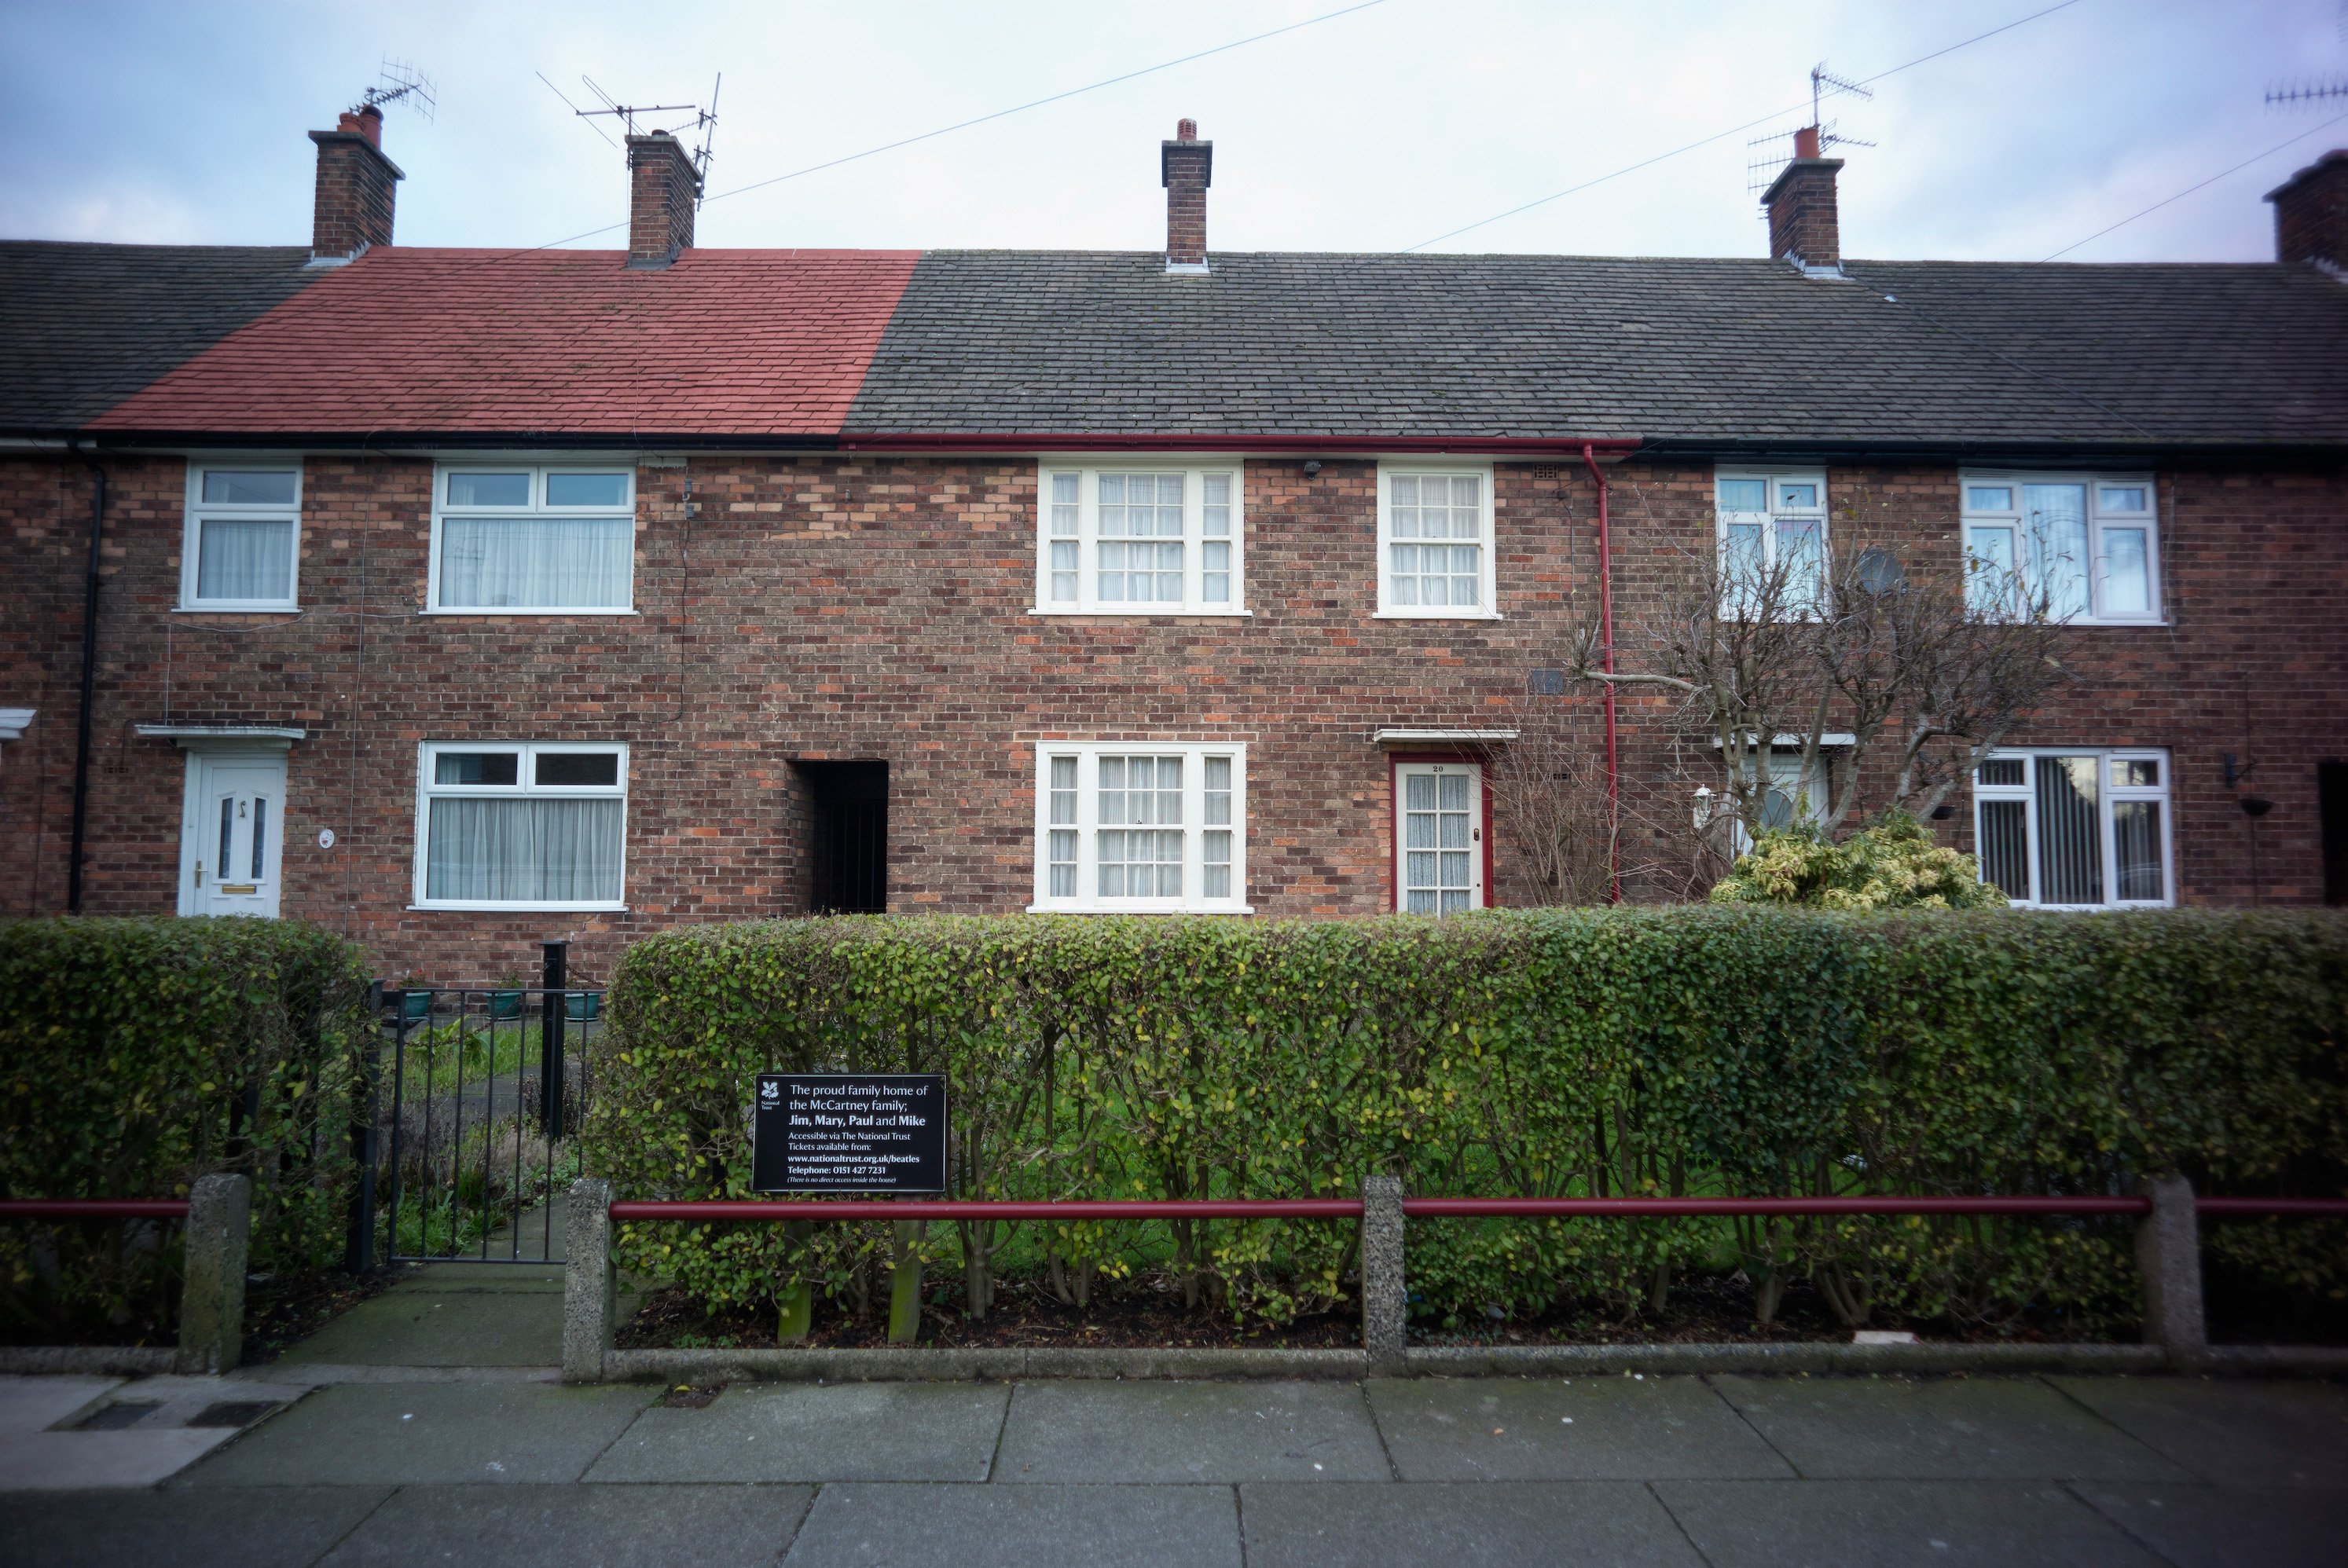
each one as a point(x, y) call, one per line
point(428, 1425)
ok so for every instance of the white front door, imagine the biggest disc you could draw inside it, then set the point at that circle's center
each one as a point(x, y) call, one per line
point(1439, 838)
point(230, 845)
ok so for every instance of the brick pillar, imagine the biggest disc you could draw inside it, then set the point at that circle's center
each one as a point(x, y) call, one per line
point(1186, 167)
point(1803, 224)
point(663, 187)
point(2312, 214)
point(356, 185)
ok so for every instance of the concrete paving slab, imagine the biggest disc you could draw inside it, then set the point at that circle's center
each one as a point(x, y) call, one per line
point(1939, 1429)
point(270, 1527)
point(2220, 1526)
point(454, 1277)
point(1897, 1525)
point(1288, 1525)
point(1556, 1429)
point(1020, 1526)
point(837, 1431)
point(361, 1434)
point(60, 1461)
point(442, 1328)
point(34, 1404)
point(569, 1526)
point(2255, 1432)
point(1188, 1431)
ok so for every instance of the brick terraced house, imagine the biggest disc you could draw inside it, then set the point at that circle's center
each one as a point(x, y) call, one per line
point(464, 598)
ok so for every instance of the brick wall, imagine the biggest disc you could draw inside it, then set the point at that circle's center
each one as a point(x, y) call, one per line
point(844, 608)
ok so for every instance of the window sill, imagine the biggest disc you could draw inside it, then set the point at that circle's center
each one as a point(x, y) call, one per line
point(1437, 615)
point(1131, 910)
point(445, 907)
point(1145, 614)
point(236, 610)
point(533, 611)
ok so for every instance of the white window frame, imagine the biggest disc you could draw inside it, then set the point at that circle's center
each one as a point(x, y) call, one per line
point(1195, 472)
point(1772, 481)
point(1479, 827)
point(536, 509)
point(525, 787)
point(2107, 794)
point(1489, 584)
point(2098, 519)
point(199, 511)
point(1086, 899)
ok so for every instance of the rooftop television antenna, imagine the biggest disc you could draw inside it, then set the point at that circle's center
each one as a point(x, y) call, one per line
point(703, 121)
point(2309, 93)
point(1761, 168)
point(400, 82)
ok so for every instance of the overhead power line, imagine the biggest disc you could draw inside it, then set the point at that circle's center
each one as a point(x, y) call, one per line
point(2189, 189)
point(1732, 130)
point(998, 114)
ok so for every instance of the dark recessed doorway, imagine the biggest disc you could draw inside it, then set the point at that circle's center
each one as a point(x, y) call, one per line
point(847, 822)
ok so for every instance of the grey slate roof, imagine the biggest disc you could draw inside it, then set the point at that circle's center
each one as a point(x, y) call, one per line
point(84, 326)
point(1679, 351)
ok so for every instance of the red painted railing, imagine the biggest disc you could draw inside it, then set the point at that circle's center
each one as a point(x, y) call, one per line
point(788, 1209)
point(93, 1208)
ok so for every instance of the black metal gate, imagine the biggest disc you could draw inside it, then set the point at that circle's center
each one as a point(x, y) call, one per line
point(479, 1093)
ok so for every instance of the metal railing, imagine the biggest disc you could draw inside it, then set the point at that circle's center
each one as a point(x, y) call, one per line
point(485, 1095)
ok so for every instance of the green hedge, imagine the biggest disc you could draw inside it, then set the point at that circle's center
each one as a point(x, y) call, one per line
point(1553, 1052)
point(136, 1055)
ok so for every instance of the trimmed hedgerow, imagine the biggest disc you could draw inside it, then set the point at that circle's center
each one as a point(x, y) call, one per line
point(1726, 1049)
point(139, 1054)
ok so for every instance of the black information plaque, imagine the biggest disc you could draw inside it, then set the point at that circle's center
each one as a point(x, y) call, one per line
point(849, 1132)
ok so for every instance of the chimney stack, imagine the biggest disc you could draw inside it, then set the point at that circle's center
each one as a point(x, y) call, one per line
point(663, 187)
point(1803, 225)
point(357, 184)
point(1186, 167)
point(2312, 214)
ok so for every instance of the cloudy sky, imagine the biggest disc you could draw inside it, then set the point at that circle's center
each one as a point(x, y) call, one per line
point(1374, 130)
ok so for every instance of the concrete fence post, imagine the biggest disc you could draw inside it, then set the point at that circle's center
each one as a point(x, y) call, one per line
point(211, 1304)
point(1384, 1305)
point(2168, 1255)
point(588, 1305)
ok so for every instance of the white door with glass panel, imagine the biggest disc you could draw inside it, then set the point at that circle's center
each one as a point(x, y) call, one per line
point(233, 838)
point(1439, 832)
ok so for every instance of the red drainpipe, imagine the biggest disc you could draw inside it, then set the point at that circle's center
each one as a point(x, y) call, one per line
point(1606, 662)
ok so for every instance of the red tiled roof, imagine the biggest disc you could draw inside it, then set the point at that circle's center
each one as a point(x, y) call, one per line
point(562, 342)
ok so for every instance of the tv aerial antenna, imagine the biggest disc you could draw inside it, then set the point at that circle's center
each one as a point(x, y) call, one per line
point(1767, 157)
point(701, 121)
point(2310, 94)
point(399, 82)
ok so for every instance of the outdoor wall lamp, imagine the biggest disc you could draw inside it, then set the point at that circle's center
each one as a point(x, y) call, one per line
point(1312, 466)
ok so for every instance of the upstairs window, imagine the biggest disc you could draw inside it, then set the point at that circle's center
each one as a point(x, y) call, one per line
point(1159, 539)
point(2074, 827)
point(1435, 542)
point(243, 536)
point(1141, 825)
point(533, 540)
point(2084, 548)
point(1773, 542)
point(522, 826)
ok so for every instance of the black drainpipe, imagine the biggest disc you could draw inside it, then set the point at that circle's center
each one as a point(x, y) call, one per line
point(89, 686)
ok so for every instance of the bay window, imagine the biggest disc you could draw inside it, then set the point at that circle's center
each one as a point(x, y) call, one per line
point(2083, 548)
point(2074, 827)
point(243, 536)
point(520, 827)
point(516, 538)
point(1154, 539)
point(1140, 825)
